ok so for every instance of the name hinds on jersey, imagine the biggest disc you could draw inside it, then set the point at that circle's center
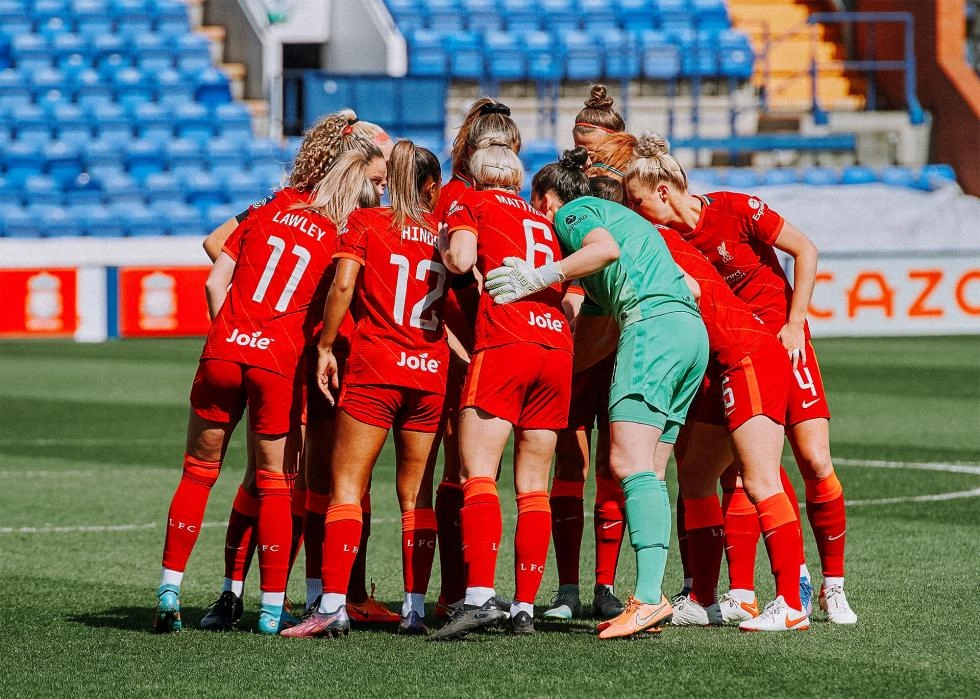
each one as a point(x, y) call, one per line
point(254, 339)
point(419, 362)
point(421, 235)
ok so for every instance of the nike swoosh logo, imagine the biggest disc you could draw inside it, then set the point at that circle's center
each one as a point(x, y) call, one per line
point(729, 548)
point(835, 538)
point(790, 623)
point(648, 618)
point(768, 534)
point(808, 403)
point(610, 525)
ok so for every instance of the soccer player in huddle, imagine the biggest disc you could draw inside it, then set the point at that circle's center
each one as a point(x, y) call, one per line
point(261, 290)
point(396, 377)
point(518, 381)
point(596, 120)
point(739, 235)
point(485, 119)
point(660, 358)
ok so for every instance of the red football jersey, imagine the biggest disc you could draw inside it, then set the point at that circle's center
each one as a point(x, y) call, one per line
point(733, 330)
point(736, 232)
point(507, 226)
point(399, 337)
point(449, 195)
point(282, 273)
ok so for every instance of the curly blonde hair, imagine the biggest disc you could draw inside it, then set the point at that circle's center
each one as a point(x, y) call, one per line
point(323, 143)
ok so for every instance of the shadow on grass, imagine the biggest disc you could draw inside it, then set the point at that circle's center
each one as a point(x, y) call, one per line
point(133, 618)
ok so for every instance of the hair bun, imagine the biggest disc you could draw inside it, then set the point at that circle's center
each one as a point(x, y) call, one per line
point(598, 98)
point(495, 108)
point(574, 159)
point(651, 145)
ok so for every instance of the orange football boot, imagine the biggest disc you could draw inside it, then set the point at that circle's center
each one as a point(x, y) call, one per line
point(637, 616)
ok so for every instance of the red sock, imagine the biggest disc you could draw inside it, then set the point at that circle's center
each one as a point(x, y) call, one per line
point(274, 530)
point(741, 538)
point(342, 535)
point(357, 588)
point(610, 513)
point(187, 510)
point(449, 501)
point(297, 506)
point(794, 500)
point(705, 539)
point(781, 533)
point(313, 526)
point(531, 544)
point(825, 509)
point(682, 543)
point(240, 537)
point(567, 525)
point(482, 529)
point(418, 548)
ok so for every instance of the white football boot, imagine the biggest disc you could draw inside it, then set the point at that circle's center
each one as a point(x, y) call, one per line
point(735, 610)
point(778, 616)
point(833, 601)
point(687, 612)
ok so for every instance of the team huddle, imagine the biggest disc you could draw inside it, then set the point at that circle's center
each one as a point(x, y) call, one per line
point(462, 315)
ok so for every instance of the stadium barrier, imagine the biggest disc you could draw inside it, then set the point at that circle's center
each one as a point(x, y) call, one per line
point(62, 288)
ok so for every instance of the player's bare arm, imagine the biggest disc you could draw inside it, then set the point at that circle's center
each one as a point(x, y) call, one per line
point(459, 251)
point(793, 242)
point(216, 239)
point(216, 287)
point(338, 303)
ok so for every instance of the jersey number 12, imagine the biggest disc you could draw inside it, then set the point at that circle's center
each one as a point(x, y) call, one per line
point(401, 291)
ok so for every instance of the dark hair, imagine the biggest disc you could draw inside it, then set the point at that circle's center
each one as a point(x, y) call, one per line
point(486, 118)
point(566, 178)
point(409, 168)
point(608, 188)
point(599, 114)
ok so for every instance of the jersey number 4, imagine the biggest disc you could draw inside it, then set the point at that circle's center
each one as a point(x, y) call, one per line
point(422, 269)
point(302, 260)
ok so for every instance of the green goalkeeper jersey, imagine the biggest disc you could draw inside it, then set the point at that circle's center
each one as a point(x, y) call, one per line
point(644, 282)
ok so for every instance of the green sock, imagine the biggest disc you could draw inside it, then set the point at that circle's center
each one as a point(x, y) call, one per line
point(648, 519)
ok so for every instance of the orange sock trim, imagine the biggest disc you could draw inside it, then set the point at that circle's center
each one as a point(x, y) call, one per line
point(270, 480)
point(775, 511)
point(450, 485)
point(568, 489)
point(246, 503)
point(740, 503)
point(203, 472)
point(823, 489)
point(298, 502)
point(336, 513)
point(317, 503)
point(536, 501)
point(424, 518)
point(481, 485)
point(366, 503)
point(607, 489)
point(703, 513)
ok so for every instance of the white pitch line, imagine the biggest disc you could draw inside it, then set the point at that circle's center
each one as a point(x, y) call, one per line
point(939, 497)
point(973, 469)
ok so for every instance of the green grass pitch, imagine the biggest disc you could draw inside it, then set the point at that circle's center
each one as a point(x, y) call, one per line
point(91, 439)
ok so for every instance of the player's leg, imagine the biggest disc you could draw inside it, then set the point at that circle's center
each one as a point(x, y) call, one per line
point(533, 451)
point(355, 450)
point(608, 524)
point(741, 541)
point(568, 518)
point(449, 501)
point(319, 439)
point(415, 453)
point(217, 402)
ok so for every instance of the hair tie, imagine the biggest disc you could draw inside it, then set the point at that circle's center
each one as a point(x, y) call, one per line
point(610, 168)
point(595, 126)
point(348, 130)
point(495, 108)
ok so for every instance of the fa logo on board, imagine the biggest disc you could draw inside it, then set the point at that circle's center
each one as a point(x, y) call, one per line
point(725, 255)
point(419, 362)
point(245, 340)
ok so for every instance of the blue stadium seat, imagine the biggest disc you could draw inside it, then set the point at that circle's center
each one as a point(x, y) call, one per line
point(41, 190)
point(98, 221)
point(212, 87)
point(193, 52)
point(937, 175)
point(675, 15)
point(103, 158)
point(18, 223)
point(131, 87)
point(858, 174)
point(171, 19)
point(111, 123)
point(31, 124)
point(203, 190)
point(69, 44)
point(163, 187)
point(15, 91)
point(233, 121)
point(638, 15)
point(183, 156)
point(598, 15)
point(171, 89)
point(736, 58)
point(64, 162)
point(22, 159)
point(217, 214)
point(621, 54)
point(899, 176)
point(711, 15)
point(92, 18)
point(153, 52)
point(560, 15)
point(660, 57)
point(582, 61)
point(409, 15)
point(426, 53)
point(144, 156)
point(225, 156)
point(465, 55)
point(84, 190)
point(179, 218)
point(536, 154)
point(482, 15)
point(72, 122)
point(89, 90)
point(445, 16)
point(820, 176)
point(138, 221)
point(54, 221)
point(193, 122)
point(72, 66)
point(14, 21)
point(743, 178)
point(152, 120)
point(505, 56)
point(780, 176)
point(521, 16)
point(544, 62)
point(122, 189)
point(9, 196)
point(50, 27)
point(30, 52)
point(243, 189)
point(131, 19)
point(262, 152)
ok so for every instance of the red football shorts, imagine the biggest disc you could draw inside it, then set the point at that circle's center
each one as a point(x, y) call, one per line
point(393, 406)
point(222, 389)
point(527, 384)
point(590, 395)
point(758, 385)
point(315, 405)
point(807, 399)
point(707, 406)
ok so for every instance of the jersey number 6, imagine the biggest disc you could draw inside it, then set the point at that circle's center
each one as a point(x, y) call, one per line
point(533, 246)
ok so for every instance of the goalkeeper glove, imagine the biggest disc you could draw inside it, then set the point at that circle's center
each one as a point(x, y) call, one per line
point(517, 279)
